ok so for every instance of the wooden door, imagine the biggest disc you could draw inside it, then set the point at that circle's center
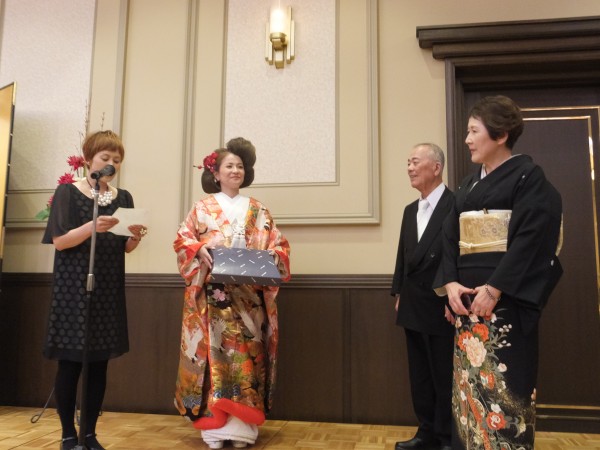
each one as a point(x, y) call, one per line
point(557, 86)
point(562, 135)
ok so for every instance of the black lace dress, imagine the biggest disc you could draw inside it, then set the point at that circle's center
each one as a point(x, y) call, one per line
point(108, 337)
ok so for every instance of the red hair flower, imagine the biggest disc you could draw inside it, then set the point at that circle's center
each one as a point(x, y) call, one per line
point(209, 162)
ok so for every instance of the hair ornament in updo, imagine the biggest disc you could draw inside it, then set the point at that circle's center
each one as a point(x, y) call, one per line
point(209, 162)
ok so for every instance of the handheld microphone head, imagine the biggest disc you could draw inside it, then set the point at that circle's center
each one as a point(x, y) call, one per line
point(107, 171)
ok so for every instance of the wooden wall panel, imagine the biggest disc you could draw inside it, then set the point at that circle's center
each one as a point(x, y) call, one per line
point(144, 378)
point(380, 392)
point(26, 378)
point(311, 356)
point(342, 358)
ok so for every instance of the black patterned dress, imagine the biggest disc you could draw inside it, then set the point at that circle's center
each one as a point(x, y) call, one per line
point(108, 337)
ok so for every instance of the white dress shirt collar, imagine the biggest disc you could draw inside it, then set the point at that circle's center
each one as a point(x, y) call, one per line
point(434, 197)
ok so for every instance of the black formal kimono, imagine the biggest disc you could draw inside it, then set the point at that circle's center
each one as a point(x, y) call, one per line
point(429, 335)
point(495, 358)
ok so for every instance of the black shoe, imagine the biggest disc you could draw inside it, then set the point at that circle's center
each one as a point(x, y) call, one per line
point(92, 443)
point(68, 443)
point(417, 443)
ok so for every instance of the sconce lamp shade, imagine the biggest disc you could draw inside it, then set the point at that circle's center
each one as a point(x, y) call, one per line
point(280, 37)
point(278, 21)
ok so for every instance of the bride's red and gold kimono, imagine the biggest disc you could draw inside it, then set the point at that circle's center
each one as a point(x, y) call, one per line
point(229, 333)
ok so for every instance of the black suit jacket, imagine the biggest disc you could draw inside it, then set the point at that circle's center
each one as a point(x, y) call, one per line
point(417, 262)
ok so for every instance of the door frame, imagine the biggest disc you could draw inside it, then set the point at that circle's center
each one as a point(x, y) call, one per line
point(559, 53)
point(508, 55)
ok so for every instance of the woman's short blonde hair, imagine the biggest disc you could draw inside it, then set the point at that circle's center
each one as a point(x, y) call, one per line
point(99, 141)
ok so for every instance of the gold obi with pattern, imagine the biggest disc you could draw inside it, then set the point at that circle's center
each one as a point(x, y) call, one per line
point(484, 231)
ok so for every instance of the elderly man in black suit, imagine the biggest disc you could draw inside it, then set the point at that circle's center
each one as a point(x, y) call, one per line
point(426, 321)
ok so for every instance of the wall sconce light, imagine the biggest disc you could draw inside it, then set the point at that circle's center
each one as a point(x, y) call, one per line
point(280, 37)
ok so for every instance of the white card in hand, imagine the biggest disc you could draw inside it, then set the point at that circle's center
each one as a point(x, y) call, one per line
point(128, 217)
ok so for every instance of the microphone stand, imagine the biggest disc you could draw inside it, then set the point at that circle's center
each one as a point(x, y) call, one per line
point(86, 311)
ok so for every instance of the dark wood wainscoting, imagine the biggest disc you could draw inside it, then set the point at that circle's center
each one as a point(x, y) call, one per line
point(342, 358)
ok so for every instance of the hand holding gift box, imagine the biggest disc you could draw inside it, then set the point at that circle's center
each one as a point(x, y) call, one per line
point(244, 266)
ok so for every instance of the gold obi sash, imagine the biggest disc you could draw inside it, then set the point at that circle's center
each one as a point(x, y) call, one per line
point(484, 231)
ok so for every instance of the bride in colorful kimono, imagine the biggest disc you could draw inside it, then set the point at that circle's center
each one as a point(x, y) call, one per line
point(229, 332)
point(499, 267)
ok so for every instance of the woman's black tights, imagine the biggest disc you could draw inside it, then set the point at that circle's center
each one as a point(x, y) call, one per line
point(65, 392)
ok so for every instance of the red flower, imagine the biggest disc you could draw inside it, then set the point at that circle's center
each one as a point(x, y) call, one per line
point(49, 204)
point(76, 162)
point(482, 331)
point(495, 421)
point(67, 178)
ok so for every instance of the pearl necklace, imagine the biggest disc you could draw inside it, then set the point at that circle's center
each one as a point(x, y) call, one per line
point(103, 199)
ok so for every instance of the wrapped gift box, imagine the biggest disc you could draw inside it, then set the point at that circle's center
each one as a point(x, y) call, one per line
point(244, 266)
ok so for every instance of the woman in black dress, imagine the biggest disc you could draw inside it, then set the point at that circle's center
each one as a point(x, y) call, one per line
point(499, 268)
point(69, 229)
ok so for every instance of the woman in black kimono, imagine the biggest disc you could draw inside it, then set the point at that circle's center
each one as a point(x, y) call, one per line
point(69, 229)
point(499, 268)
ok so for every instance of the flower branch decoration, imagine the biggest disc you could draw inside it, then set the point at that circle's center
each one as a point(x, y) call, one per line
point(209, 162)
point(76, 170)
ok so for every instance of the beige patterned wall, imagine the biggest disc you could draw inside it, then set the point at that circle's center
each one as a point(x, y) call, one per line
point(159, 72)
point(47, 50)
point(306, 193)
point(289, 114)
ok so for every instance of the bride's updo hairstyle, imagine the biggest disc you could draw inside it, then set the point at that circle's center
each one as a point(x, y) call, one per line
point(238, 146)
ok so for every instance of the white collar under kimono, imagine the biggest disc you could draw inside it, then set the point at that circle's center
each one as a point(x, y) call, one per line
point(235, 210)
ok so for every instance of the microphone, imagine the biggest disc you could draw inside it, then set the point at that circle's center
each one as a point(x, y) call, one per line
point(106, 172)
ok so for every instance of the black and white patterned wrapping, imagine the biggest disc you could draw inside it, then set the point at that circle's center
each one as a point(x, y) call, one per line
point(244, 266)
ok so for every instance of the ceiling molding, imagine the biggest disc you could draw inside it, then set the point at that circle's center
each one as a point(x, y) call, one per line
point(516, 37)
